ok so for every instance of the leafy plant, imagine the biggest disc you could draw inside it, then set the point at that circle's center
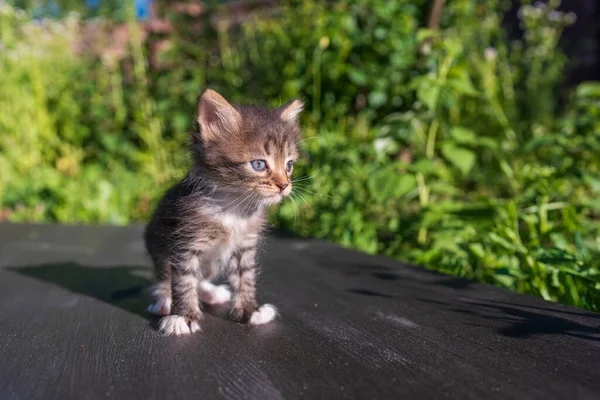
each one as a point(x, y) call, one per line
point(447, 148)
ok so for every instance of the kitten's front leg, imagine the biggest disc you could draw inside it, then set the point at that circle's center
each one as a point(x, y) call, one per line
point(185, 310)
point(243, 281)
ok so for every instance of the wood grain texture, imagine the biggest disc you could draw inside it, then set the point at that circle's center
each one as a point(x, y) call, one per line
point(73, 326)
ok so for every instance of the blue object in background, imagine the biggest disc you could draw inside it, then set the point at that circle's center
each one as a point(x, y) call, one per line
point(143, 8)
point(92, 3)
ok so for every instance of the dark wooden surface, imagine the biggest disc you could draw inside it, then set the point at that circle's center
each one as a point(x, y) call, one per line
point(73, 326)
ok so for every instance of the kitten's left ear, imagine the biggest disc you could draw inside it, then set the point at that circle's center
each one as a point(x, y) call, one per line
point(290, 111)
point(216, 117)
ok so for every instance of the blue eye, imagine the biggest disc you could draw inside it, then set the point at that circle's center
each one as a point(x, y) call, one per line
point(258, 165)
point(289, 166)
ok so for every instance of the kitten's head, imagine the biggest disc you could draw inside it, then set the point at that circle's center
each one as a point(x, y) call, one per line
point(247, 150)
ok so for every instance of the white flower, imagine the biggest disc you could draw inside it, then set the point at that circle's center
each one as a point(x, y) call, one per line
point(382, 145)
point(524, 12)
point(540, 6)
point(554, 16)
point(491, 53)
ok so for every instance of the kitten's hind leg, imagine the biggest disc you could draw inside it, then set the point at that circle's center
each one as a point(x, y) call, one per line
point(161, 299)
point(160, 293)
point(214, 294)
point(185, 311)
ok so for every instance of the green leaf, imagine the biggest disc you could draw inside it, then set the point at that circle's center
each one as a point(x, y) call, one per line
point(423, 165)
point(429, 94)
point(559, 240)
point(461, 158)
point(505, 280)
point(507, 169)
point(588, 89)
point(377, 98)
point(389, 183)
point(474, 212)
point(477, 250)
point(487, 142)
point(467, 136)
point(556, 257)
point(538, 142)
point(462, 86)
point(357, 76)
point(459, 80)
point(405, 183)
point(442, 187)
point(580, 248)
point(424, 34)
point(495, 238)
point(463, 135)
point(592, 181)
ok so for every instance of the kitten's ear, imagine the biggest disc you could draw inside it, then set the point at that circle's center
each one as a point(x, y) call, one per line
point(290, 111)
point(216, 116)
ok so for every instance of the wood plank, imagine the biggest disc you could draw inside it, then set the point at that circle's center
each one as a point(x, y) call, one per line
point(73, 326)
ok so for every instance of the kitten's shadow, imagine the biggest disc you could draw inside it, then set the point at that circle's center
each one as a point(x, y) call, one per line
point(124, 287)
point(120, 286)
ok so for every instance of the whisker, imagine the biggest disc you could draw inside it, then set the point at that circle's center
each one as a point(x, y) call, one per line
point(304, 178)
point(316, 194)
point(246, 203)
point(234, 201)
point(294, 207)
point(246, 197)
point(306, 202)
point(255, 201)
point(299, 203)
point(304, 140)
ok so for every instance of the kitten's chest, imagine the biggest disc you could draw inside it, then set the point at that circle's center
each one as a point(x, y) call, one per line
point(240, 230)
point(239, 233)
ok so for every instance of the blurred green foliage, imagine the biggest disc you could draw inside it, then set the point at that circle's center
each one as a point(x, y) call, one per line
point(455, 149)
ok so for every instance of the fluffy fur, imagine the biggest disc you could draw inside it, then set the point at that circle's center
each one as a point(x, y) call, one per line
point(210, 223)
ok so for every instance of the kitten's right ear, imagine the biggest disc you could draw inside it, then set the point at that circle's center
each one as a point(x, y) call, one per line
point(290, 111)
point(217, 118)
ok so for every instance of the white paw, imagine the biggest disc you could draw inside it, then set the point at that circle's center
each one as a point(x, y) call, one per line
point(161, 306)
point(211, 294)
point(265, 313)
point(177, 325)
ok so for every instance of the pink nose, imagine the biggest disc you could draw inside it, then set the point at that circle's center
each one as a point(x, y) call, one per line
point(282, 185)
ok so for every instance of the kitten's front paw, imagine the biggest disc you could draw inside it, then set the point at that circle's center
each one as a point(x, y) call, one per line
point(241, 314)
point(161, 306)
point(211, 294)
point(265, 314)
point(254, 315)
point(178, 325)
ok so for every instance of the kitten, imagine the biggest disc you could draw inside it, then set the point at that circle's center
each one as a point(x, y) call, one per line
point(210, 223)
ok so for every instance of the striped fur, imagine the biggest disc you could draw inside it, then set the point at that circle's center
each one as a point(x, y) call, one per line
point(209, 225)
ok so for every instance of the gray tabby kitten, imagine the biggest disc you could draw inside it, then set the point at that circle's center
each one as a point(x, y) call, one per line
point(210, 223)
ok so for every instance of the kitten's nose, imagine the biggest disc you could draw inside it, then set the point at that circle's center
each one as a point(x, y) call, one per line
point(282, 185)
